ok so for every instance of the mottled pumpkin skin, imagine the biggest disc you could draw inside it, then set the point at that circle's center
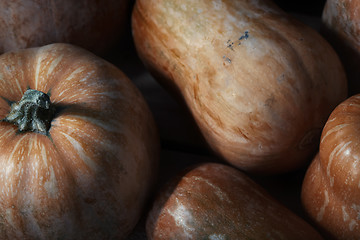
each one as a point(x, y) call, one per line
point(90, 177)
point(259, 84)
point(92, 24)
point(330, 192)
point(341, 27)
point(215, 201)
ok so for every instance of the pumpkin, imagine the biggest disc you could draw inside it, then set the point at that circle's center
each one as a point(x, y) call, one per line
point(341, 27)
point(94, 25)
point(215, 201)
point(78, 145)
point(330, 191)
point(259, 84)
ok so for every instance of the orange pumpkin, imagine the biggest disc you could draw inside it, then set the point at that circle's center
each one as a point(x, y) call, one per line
point(94, 25)
point(78, 146)
point(330, 192)
point(259, 84)
point(341, 26)
point(215, 201)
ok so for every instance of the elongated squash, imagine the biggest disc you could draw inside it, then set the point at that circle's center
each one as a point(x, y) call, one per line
point(259, 84)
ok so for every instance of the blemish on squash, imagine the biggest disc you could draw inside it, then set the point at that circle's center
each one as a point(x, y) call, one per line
point(245, 36)
point(241, 132)
point(281, 78)
point(228, 60)
point(231, 44)
point(270, 101)
point(310, 138)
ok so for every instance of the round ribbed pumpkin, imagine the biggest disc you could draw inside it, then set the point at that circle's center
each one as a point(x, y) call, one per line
point(78, 146)
point(330, 192)
point(94, 25)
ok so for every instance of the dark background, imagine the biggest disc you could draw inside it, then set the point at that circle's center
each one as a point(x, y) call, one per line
point(307, 7)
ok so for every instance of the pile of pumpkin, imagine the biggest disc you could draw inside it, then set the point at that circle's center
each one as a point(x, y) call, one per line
point(80, 147)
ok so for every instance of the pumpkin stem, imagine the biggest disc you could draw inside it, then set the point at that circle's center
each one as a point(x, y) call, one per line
point(34, 112)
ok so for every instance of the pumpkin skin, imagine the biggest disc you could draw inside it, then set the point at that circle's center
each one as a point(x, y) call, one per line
point(330, 191)
point(341, 27)
point(259, 84)
point(94, 25)
point(90, 175)
point(215, 201)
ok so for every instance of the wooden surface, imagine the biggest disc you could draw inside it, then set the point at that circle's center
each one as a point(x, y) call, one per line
point(182, 144)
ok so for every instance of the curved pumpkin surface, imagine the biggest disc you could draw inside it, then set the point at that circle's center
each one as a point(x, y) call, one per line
point(259, 84)
point(89, 176)
point(94, 25)
point(214, 201)
point(330, 191)
point(341, 26)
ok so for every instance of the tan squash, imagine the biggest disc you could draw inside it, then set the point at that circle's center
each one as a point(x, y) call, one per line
point(78, 146)
point(259, 84)
point(341, 26)
point(330, 192)
point(215, 201)
point(94, 25)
